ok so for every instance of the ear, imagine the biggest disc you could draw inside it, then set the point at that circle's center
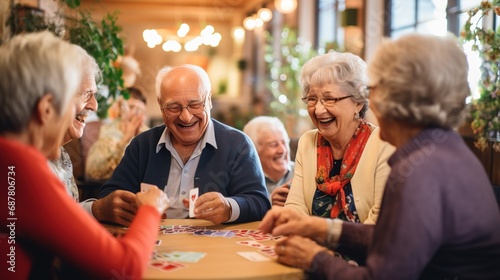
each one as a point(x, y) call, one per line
point(209, 101)
point(44, 109)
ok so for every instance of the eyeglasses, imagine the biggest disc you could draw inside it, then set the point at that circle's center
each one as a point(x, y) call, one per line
point(87, 95)
point(195, 107)
point(327, 101)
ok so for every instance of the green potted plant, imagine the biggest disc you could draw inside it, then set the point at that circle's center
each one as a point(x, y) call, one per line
point(485, 111)
point(283, 78)
point(101, 40)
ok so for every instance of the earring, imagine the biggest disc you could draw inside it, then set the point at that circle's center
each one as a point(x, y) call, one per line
point(356, 116)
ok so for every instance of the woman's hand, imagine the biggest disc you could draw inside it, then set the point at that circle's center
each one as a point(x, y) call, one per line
point(297, 251)
point(287, 221)
point(153, 197)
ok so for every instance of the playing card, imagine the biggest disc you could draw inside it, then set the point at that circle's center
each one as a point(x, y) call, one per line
point(251, 243)
point(253, 256)
point(193, 196)
point(158, 242)
point(166, 266)
point(146, 186)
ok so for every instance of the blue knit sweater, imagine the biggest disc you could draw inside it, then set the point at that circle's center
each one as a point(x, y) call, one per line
point(233, 169)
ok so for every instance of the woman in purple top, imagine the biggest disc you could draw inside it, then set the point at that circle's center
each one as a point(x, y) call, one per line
point(439, 218)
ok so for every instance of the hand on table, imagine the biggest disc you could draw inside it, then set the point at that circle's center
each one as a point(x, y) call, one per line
point(279, 195)
point(297, 251)
point(211, 206)
point(117, 207)
point(287, 221)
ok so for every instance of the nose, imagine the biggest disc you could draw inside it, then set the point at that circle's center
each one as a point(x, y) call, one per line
point(185, 115)
point(282, 148)
point(319, 107)
point(92, 103)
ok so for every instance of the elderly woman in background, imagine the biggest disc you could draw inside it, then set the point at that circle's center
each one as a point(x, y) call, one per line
point(271, 140)
point(439, 218)
point(85, 104)
point(38, 89)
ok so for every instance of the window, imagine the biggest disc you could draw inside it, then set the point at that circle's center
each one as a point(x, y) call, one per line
point(328, 23)
point(436, 17)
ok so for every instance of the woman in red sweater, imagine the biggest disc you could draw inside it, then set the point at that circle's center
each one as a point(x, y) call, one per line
point(39, 76)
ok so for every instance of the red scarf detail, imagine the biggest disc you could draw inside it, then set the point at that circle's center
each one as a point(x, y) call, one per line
point(335, 185)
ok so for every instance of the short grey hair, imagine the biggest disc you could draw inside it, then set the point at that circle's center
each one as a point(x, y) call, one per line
point(420, 80)
point(89, 65)
point(346, 70)
point(32, 66)
point(257, 125)
point(205, 80)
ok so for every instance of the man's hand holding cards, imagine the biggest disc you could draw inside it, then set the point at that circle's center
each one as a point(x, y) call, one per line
point(151, 195)
point(193, 196)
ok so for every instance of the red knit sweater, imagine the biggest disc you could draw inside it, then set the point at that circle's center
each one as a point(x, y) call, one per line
point(44, 223)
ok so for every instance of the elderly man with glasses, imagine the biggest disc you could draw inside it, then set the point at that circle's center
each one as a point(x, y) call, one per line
point(190, 151)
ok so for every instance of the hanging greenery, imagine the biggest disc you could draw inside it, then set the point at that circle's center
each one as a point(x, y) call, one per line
point(101, 40)
point(284, 74)
point(485, 111)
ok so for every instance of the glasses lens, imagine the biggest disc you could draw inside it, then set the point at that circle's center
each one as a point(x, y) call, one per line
point(176, 109)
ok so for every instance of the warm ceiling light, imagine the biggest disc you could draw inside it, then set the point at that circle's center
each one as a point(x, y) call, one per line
point(249, 23)
point(285, 6)
point(238, 33)
point(258, 22)
point(265, 14)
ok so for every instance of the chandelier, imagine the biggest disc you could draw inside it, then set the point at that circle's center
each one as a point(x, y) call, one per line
point(174, 41)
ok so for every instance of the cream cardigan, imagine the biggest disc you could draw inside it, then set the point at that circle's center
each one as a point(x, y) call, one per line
point(367, 183)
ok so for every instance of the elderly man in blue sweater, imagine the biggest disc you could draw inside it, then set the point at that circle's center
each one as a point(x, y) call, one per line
point(190, 151)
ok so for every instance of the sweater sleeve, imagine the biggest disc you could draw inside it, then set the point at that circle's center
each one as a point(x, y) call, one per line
point(298, 195)
point(49, 219)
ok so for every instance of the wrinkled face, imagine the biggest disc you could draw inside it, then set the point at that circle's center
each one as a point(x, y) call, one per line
point(274, 153)
point(85, 103)
point(333, 121)
point(180, 88)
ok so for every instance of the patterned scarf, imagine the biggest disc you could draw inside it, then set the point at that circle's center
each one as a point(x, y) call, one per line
point(335, 185)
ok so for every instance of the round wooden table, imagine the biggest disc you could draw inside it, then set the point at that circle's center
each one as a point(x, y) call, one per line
point(221, 260)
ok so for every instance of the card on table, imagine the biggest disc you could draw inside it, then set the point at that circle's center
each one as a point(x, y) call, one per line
point(166, 266)
point(252, 243)
point(253, 256)
point(193, 196)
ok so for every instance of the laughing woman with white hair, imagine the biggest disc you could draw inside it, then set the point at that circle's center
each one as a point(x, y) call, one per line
point(39, 77)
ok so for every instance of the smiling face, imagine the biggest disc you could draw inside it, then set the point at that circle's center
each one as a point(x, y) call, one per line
point(337, 121)
point(274, 153)
point(85, 103)
point(182, 87)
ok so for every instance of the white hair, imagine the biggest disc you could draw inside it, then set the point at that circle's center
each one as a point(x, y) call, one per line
point(31, 66)
point(257, 125)
point(346, 70)
point(205, 80)
point(420, 80)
